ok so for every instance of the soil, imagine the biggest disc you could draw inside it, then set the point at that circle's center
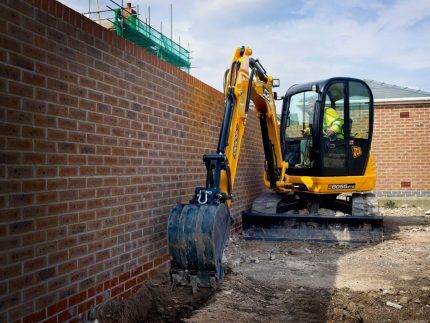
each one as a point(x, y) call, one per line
point(157, 301)
point(301, 282)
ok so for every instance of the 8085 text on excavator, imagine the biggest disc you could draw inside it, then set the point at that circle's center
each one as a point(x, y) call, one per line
point(318, 171)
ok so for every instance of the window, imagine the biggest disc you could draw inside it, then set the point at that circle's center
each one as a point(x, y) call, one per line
point(301, 113)
point(333, 130)
point(359, 111)
point(334, 112)
point(299, 130)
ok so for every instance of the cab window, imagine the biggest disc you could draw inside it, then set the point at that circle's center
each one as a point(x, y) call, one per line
point(359, 110)
point(301, 112)
point(334, 113)
point(299, 130)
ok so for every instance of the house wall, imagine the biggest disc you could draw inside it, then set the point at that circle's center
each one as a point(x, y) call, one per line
point(401, 146)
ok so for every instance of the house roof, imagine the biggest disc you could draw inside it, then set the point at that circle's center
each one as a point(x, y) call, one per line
point(383, 90)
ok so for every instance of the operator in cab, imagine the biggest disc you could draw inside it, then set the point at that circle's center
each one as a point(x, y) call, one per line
point(332, 124)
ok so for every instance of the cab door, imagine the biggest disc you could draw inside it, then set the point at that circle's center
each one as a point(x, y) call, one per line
point(334, 147)
point(360, 126)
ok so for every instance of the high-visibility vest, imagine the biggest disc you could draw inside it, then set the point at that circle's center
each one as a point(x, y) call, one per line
point(333, 121)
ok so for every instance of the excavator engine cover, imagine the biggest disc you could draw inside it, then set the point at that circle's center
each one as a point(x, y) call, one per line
point(197, 235)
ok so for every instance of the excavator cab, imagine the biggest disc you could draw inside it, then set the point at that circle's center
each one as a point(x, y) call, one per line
point(325, 135)
point(326, 128)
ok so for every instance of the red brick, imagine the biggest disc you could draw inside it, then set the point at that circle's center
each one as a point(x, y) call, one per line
point(19, 144)
point(9, 186)
point(57, 159)
point(44, 146)
point(21, 282)
point(10, 271)
point(33, 132)
point(34, 292)
point(46, 197)
point(34, 264)
point(67, 267)
point(117, 290)
point(33, 185)
point(33, 79)
point(33, 237)
point(129, 284)
point(21, 199)
point(99, 299)
point(20, 117)
point(45, 121)
point(9, 72)
point(9, 43)
point(142, 278)
point(33, 106)
point(157, 261)
point(76, 299)
point(65, 315)
point(36, 317)
point(124, 277)
point(9, 157)
point(58, 208)
point(20, 172)
point(33, 158)
point(21, 89)
point(46, 171)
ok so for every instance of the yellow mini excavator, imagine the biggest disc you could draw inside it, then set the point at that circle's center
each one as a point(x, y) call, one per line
point(318, 169)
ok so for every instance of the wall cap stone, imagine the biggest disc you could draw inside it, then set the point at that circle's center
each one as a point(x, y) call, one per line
point(416, 100)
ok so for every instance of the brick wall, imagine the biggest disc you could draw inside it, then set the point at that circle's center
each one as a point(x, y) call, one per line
point(402, 148)
point(99, 139)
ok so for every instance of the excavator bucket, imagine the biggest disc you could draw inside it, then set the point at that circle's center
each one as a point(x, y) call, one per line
point(197, 235)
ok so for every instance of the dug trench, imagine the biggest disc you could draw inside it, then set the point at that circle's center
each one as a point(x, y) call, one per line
point(301, 282)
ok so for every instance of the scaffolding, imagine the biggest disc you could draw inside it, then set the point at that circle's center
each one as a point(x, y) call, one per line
point(126, 23)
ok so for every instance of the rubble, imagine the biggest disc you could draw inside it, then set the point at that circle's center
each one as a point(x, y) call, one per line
point(395, 305)
point(404, 300)
point(236, 262)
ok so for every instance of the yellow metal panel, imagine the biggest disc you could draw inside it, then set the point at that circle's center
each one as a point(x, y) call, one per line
point(338, 184)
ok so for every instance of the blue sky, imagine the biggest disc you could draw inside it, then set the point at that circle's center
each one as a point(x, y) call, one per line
point(301, 41)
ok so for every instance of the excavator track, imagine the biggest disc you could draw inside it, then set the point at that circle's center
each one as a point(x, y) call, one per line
point(267, 202)
point(308, 218)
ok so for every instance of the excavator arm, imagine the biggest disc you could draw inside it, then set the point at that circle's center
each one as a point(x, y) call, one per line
point(245, 81)
point(197, 232)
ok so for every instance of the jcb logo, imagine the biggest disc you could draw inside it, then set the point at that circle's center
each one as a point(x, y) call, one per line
point(356, 151)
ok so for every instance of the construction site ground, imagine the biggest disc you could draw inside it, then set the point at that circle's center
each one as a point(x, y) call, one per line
point(302, 282)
